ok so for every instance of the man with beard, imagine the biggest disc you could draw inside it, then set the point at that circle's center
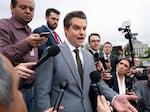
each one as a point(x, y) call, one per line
point(52, 18)
point(142, 90)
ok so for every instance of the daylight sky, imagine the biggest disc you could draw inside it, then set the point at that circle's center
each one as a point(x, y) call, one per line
point(104, 17)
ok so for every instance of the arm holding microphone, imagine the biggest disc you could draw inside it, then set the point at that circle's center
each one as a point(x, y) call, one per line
point(29, 71)
point(23, 69)
point(98, 101)
point(105, 74)
point(63, 86)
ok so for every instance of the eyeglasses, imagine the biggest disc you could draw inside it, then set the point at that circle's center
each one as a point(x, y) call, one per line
point(95, 41)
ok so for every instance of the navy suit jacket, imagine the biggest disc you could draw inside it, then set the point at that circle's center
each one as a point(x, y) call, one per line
point(50, 42)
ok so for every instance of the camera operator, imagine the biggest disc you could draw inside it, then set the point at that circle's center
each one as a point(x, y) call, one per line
point(142, 90)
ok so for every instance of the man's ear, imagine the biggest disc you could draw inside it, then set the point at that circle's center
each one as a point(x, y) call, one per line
point(11, 8)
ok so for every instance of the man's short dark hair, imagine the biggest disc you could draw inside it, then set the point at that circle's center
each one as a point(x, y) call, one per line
point(93, 34)
point(49, 10)
point(69, 16)
point(14, 3)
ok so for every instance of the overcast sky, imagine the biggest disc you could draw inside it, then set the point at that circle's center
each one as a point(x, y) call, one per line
point(104, 16)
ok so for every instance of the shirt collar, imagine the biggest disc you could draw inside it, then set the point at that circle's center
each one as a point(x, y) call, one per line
point(18, 25)
point(71, 47)
point(94, 51)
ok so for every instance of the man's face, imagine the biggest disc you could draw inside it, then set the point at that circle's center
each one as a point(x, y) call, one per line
point(107, 48)
point(76, 33)
point(23, 11)
point(53, 20)
point(94, 42)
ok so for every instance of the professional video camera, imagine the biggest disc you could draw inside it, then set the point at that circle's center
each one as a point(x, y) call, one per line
point(125, 28)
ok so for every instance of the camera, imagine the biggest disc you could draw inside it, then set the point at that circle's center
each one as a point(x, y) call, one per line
point(125, 28)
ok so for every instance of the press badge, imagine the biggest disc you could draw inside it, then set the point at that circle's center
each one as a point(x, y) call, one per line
point(32, 52)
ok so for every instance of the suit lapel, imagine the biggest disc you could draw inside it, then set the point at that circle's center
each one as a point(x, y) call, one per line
point(70, 62)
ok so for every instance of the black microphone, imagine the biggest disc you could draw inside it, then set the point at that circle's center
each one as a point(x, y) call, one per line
point(63, 86)
point(96, 57)
point(95, 89)
point(95, 78)
point(51, 52)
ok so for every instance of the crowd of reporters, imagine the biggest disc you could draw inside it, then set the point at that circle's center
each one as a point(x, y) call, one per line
point(108, 66)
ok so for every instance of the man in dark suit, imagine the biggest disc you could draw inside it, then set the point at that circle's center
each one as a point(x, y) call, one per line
point(52, 18)
point(109, 61)
point(64, 66)
point(94, 49)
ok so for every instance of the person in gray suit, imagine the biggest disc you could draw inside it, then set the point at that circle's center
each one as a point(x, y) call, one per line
point(64, 67)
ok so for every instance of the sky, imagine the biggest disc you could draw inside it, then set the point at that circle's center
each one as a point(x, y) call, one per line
point(103, 16)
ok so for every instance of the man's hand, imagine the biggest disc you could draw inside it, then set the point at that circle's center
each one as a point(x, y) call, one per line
point(23, 69)
point(121, 103)
point(34, 40)
point(103, 105)
point(106, 75)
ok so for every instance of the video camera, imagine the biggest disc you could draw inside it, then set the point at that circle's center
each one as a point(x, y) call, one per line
point(125, 28)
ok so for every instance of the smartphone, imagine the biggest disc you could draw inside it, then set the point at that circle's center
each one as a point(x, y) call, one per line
point(44, 34)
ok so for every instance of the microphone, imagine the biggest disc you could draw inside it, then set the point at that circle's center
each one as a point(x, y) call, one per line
point(96, 57)
point(63, 86)
point(95, 78)
point(95, 89)
point(51, 52)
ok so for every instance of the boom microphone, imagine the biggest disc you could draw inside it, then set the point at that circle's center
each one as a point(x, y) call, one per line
point(51, 52)
point(63, 86)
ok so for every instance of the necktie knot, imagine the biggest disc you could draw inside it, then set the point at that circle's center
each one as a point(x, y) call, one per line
point(56, 37)
point(76, 50)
